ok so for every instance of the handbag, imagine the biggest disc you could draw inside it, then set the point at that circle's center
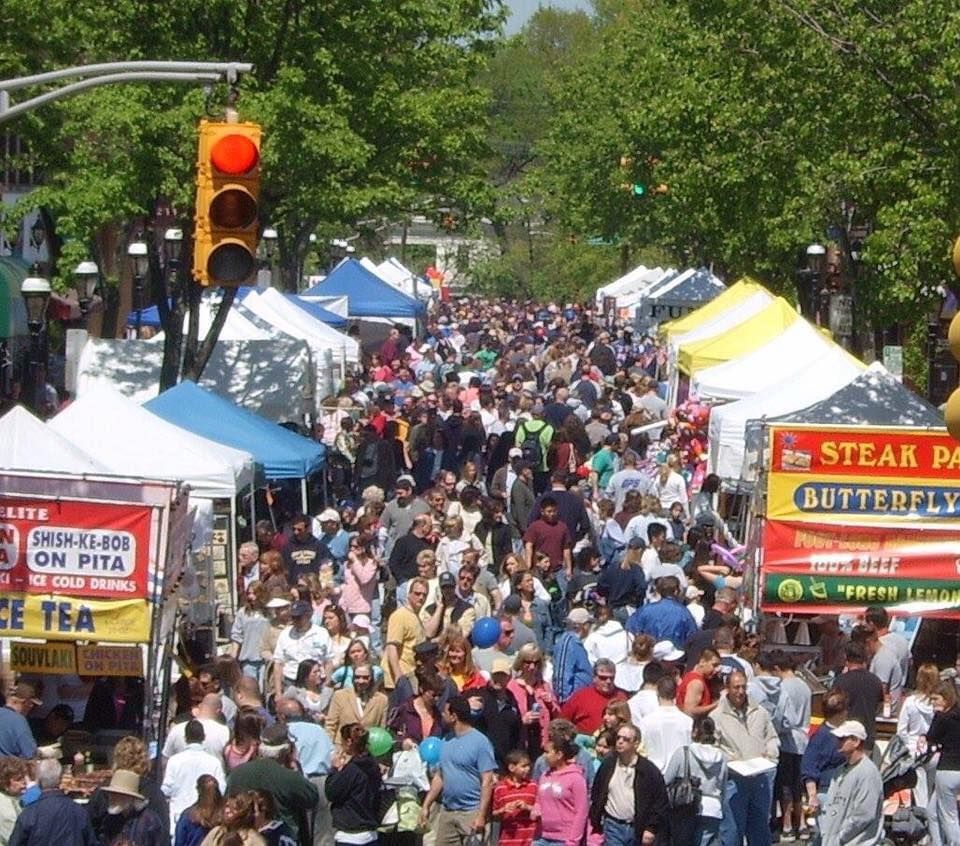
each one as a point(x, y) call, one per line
point(684, 793)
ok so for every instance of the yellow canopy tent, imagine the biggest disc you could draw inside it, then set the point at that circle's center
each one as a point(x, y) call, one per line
point(742, 339)
point(733, 295)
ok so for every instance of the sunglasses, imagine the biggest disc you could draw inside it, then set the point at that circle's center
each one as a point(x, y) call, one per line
point(418, 593)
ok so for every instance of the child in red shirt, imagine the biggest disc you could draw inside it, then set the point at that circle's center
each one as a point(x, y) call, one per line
point(513, 799)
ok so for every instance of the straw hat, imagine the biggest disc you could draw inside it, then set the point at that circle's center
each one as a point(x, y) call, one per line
point(126, 783)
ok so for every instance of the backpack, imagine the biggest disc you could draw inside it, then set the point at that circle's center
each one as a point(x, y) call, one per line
point(531, 447)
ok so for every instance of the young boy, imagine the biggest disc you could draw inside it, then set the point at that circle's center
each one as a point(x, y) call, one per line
point(513, 799)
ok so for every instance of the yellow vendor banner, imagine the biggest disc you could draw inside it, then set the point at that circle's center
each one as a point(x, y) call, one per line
point(43, 658)
point(863, 475)
point(72, 618)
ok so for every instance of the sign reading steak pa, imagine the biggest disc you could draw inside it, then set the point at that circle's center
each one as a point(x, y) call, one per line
point(863, 476)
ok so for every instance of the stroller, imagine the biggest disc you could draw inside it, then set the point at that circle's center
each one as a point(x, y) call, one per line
point(904, 823)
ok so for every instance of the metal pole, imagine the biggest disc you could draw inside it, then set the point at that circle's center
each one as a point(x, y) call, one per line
point(95, 82)
point(138, 304)
point(231, 69)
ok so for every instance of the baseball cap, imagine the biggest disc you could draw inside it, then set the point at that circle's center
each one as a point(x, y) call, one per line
point(850, 728)
point(579, 616)
point(361, 621)
point(515, 452)
point(329, 515)
point(512, 604)
point(610, 440)
point(404, 482)
point(447, 580)
point(693, 592)
point(636, 542)
point(428, 647)
point(278, 602)
point(26, 692)
point(300, 608)
point(664, 650)
point(501, 665)
point(705, 518)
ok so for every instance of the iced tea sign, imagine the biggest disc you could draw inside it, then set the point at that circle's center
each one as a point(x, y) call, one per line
point(74, 547)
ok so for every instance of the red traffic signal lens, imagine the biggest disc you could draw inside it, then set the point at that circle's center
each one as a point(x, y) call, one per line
point(230, 264)
point(233, 208)
point(234, 155)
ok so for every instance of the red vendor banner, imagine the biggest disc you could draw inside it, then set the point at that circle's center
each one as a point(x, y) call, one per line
point(74, 547)
point(916, 454)
point(830, 568)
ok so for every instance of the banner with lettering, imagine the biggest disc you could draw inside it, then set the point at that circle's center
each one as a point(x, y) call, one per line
point(863, 476)
point(825, 568)
point(62, 618)
point(74, 547)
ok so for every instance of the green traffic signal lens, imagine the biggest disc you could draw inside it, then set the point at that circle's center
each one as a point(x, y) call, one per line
point(639, 190)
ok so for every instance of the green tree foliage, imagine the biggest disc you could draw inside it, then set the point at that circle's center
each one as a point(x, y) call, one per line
point(770, 124)
point(370, 108)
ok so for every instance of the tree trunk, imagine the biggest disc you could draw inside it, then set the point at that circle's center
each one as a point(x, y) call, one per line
point(202, 355)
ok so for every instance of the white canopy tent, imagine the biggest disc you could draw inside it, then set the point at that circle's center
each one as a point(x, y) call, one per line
point(728, 423)
point(131, 441)
point(274, 378)
point(235, 328)
point(26, 443)
point(640, 278)
point(769, 365)
point(128, 439)
point(396, 275)
point(726, 321)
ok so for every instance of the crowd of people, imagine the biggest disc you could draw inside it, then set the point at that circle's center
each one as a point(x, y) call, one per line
point(517, 622)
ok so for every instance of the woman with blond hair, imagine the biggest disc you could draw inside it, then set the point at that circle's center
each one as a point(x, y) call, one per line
point(535, 699)
point(453, 544)
point(249, 625)
point(456, 662)
point(916, 714)
point(239, 819)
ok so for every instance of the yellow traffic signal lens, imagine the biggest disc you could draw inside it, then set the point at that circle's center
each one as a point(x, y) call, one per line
point(230, 263)
point(233, 208)
point(234, 155)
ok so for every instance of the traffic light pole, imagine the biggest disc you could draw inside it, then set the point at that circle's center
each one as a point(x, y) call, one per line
point(93, 76)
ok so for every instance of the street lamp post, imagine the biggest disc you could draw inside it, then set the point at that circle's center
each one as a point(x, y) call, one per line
point(271, 243)
point(86, 275)
point(172, 242)
point(36, 294)
point(140, 260)
point(810, 281)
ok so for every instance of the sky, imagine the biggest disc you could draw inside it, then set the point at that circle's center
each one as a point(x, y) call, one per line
point(522, 10)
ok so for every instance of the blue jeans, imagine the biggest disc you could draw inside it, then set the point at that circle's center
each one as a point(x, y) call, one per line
point(708, 831)
point(616, 833)
point(746, 810)
point(542, 841)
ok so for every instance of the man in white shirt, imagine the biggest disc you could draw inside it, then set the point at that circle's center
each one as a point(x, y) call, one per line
point(627, 479)
point(667, 728)
point(645, 701)
point(298, 642)
point(184, 768)
point(215, 734)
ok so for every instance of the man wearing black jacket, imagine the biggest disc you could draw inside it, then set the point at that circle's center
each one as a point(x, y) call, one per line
point(495, 711)
point(493, 533)
point(628, 802)
point(403, 558)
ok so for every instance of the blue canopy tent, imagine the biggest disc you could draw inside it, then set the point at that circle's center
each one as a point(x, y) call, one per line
point(368, 295)
point(281, 453)
point(318, 312)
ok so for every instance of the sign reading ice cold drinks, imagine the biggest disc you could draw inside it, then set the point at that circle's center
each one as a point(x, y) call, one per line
point(74, 547)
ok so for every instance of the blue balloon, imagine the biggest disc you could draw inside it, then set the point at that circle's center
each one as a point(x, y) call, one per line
point(486, 632)
point(430, 750)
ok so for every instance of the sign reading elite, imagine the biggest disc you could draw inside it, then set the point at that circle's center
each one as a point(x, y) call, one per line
point(74, 547)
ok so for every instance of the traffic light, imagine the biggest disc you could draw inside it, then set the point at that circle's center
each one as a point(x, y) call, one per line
point(952, 412)
point(228, 190)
